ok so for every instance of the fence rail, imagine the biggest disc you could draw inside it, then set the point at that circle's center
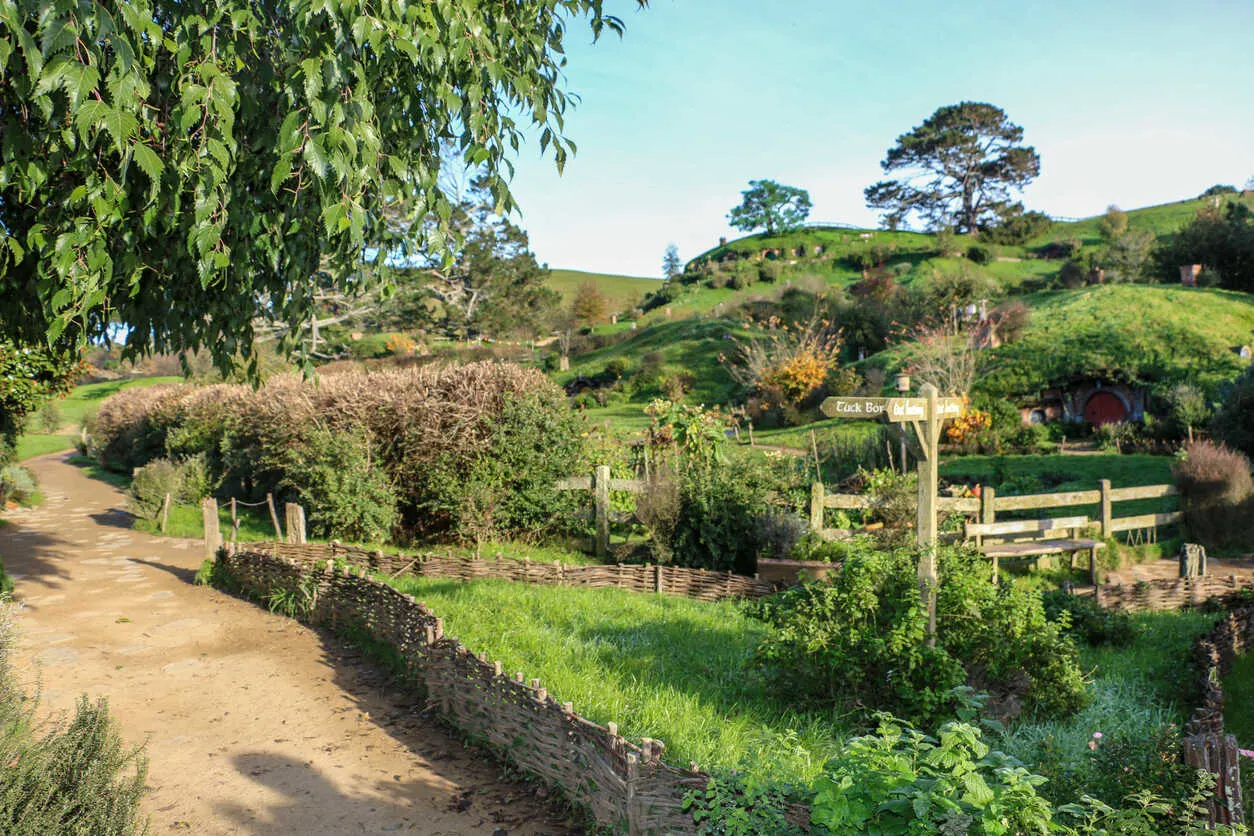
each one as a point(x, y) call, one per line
point(988, 504)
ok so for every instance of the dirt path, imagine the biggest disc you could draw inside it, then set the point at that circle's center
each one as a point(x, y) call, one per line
point(253, 723)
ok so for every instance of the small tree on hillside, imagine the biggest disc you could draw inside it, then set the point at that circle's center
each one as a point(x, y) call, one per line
point(771, 206)
point(589, 305)
point(959, 168)
point(1113, 224)
point(671, 265)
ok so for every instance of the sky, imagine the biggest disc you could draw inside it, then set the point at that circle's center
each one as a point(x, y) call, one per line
point(1128, 102)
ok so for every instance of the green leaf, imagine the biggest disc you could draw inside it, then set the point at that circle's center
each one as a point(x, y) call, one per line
point(90, 116)
point(282, 171)
point(148, 161)
point(315, 156)
point(121, 125)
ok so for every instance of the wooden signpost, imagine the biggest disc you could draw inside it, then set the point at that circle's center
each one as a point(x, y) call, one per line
point(925, 415)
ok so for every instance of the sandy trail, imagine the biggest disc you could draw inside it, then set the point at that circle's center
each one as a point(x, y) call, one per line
point(253, 723)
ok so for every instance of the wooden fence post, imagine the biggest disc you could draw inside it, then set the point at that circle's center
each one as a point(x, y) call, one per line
point(816, 507)
point(165, 512)
point(213, 533)
point(295, 523)
point(234, 524)
point(1218, 755)
point(988, 515)
point(1107, 516)
point(274, 518)
point(601, 487)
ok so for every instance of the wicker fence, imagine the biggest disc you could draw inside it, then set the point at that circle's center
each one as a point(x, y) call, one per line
point(620, 783)
point(700, 584)
point(1208, 746)
point(1171, 593)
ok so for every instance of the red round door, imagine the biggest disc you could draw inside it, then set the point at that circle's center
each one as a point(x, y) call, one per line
point(1104, 408)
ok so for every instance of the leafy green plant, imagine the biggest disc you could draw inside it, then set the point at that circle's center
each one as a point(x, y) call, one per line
point(736, 805)
point(900, 780)
point(345, 493)
point(857, 640)
point(1088, 621)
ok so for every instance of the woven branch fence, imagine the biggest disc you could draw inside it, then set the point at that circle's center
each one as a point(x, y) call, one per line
point(1171, 593)
point(700, 584)
point(620, 783)
point(1208, 746)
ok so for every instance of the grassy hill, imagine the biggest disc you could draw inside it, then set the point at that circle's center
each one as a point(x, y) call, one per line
point(622, 291)
point(1156, 334)
point(828, 256)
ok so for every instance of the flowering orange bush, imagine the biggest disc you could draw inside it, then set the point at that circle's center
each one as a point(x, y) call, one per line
point(799, 375)
point(399, 344)
point(969, 424)
point(788, 361)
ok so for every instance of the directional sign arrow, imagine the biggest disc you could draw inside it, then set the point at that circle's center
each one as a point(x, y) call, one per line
point(896, 410)
point(915, 409)
point(855, 407)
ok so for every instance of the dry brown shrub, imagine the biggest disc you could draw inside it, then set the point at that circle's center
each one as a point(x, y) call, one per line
point(1216, 490)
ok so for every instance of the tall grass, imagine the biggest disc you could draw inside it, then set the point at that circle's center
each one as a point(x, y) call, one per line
point(659, 666)
point(1136, 691)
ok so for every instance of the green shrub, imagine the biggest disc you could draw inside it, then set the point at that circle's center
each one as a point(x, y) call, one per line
point(1087, 621)
point(899, 780)
point(345, 493)
point(1217, 494)
point(150, 485)
point(1072, 275)
point(857, 639)
point(716, 526)
point(979, 255)
point(17, 484)
point(1232, 425)
point(73, 778)
point(50, 418)
point(534, 441)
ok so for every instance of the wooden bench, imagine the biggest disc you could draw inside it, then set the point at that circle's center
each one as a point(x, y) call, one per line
point(1041, 538)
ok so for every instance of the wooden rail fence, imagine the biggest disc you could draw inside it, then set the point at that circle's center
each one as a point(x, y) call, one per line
point(601, 483)
point(988, 504)
point(624, 785)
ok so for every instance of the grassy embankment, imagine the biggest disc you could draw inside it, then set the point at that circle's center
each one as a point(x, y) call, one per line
point(675, 670)
point(658, 665)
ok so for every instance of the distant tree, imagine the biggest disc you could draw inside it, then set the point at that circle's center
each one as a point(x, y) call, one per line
point(589, 305)
point(1219, 189)
point(770, 206)
point(960, 168)
point(1113, 224)
point(1129, 257)
point(1017, 227)
point(1219, 238)
point(1249, 184)
point(671, 265)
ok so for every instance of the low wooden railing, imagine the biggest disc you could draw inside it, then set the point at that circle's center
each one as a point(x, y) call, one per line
point(988, 504)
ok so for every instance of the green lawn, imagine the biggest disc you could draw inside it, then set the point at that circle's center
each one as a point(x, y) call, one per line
point(660, 666)
point(73, 408)
point(39, 444)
